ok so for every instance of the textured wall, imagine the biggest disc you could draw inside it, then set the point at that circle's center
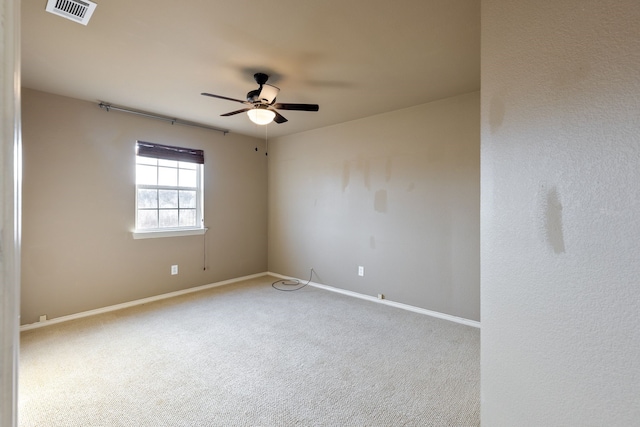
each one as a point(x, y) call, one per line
point(397, 193)
point(79, 194)
point(560, 205)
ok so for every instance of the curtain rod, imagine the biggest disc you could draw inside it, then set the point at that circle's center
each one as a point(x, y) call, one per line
point(107, 106)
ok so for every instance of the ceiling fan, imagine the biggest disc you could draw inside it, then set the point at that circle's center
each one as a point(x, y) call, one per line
point(262, 104)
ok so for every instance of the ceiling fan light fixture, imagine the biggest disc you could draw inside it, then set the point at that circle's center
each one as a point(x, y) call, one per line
point(261, 116)
point(268, 93)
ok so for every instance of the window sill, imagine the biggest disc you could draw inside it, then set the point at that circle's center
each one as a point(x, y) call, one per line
point(153, 234)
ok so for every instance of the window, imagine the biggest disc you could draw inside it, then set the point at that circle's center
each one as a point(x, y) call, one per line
point(168, 189)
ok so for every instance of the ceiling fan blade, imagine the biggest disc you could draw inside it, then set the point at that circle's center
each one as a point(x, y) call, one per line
point(233, 113)
point(224, 97)
point(268, 93)
point(298, 107)
point(279, 118)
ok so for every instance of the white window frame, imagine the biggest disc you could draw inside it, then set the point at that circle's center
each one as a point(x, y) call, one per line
point(199, 229)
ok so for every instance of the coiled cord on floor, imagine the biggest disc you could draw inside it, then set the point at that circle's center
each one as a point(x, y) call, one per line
point(287, 282)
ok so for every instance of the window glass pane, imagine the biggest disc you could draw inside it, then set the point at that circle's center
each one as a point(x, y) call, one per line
point(168, 176)
point(168, 198)
point(168, 193)
point(146, 175)
point(169, 218)
point(147, 198)
point(187, 199)
point(187, 178)
point(187, 165)
point(146, 161)
point(187, 217)
point(170, 163)
point(147, 219)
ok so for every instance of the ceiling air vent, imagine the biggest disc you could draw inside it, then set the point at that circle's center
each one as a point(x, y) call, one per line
point(76, 10)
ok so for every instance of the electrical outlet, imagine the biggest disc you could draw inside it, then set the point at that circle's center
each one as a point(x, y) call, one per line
point(361, 271)
point(43, 318)
point(174, 270)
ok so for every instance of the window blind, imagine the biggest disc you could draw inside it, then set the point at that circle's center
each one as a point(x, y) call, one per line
point(168, 152)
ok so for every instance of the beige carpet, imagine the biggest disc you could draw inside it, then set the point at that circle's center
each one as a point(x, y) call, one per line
point(248, 355)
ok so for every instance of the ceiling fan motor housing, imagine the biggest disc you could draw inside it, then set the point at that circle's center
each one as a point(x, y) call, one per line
point(254, 96)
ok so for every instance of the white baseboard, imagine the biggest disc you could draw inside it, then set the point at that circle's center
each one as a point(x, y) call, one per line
point(110, 308)
point(134, 303)
point(407, 307)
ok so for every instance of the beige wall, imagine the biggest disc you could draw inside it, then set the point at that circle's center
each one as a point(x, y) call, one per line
point(560, 213)
point(397, 193)
point(78, 253)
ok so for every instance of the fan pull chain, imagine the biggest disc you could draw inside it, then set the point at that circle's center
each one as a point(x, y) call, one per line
point(204, 252)
point(256, 126)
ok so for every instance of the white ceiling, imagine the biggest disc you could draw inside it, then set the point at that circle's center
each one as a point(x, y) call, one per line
point(355, 58)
